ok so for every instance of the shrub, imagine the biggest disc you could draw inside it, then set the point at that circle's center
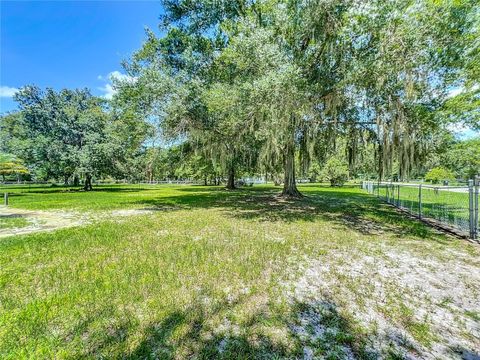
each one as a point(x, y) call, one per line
point(11, 165)
point(335, 171)
point(438, 174)
point(314, 172)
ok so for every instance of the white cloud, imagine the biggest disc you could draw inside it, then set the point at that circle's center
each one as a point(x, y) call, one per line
point(463, 131)
point(458, 127)
point(115, 76)
point(460, 89)
point(455, 92)
point(6, 91)
point(108, 90)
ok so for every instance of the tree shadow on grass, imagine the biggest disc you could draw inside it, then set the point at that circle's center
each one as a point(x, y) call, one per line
point(306, 330)
point(12, 216)
point(466, 354)
point(65, 190)
point(344, 208)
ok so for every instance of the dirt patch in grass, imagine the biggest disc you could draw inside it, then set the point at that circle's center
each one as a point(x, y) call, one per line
point(36, 221)
point(129, 212)
point(29, 221)
point(408, 305)
point(12, 221)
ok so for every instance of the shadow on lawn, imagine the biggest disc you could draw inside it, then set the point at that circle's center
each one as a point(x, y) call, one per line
point(63, 190)
point(309, 329)
point(343, 207)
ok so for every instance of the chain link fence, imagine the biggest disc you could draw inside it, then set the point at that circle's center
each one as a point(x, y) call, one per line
point(455, 207)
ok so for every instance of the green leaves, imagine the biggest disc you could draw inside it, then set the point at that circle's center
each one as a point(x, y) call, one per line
point(335, 171)
point(438, 174)
point(11, 165)
point(253, 79)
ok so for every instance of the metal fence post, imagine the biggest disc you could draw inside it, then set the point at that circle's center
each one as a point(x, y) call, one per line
point(398, 196)
point(392, 194)
point(475, 216)
point(5, 196)
point(420, 201)
point(471, 209)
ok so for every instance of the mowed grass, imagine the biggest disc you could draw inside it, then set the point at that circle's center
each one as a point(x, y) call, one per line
point(206, 275)
point(104, 197)
point(450, 207)
point(12, 222)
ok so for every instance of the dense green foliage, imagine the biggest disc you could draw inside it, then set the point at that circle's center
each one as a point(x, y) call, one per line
point(463, 158)
point(68, 134)
point(289, 82)
point(335, 171)
point(438, 174)
point(10, 165)
point(269, 88)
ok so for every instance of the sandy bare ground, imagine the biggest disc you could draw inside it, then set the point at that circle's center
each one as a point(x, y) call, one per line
point(418, 306)
point(40, 221)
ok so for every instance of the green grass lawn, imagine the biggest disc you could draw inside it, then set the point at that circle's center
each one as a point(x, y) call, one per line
point(13, 222)
point(450, 207)
point(212, 273)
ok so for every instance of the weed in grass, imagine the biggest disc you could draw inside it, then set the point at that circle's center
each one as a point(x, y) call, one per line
point(474, 315)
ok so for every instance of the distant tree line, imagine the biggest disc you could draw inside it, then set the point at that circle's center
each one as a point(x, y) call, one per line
point(326, 90)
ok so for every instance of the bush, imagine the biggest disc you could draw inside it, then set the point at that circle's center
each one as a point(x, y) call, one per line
point(335, 171)
point(438, 174)
point(314, 172)
point(11, 165)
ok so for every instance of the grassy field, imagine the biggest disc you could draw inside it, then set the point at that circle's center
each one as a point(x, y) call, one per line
point(12, 222)
point(244, 274)
point(450, 207)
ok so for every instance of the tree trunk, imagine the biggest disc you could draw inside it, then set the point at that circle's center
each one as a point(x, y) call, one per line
point(205, 181)
point(231, 177)
point(289, 184)
point(380, 163)
point(88, 182)
point(76, 180)
point(65, 180)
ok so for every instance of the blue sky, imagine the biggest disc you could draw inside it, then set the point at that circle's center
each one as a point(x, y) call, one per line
point(69, 44)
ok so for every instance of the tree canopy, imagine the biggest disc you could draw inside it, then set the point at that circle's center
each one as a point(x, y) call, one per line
point(286, 81)
point(270, 87)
